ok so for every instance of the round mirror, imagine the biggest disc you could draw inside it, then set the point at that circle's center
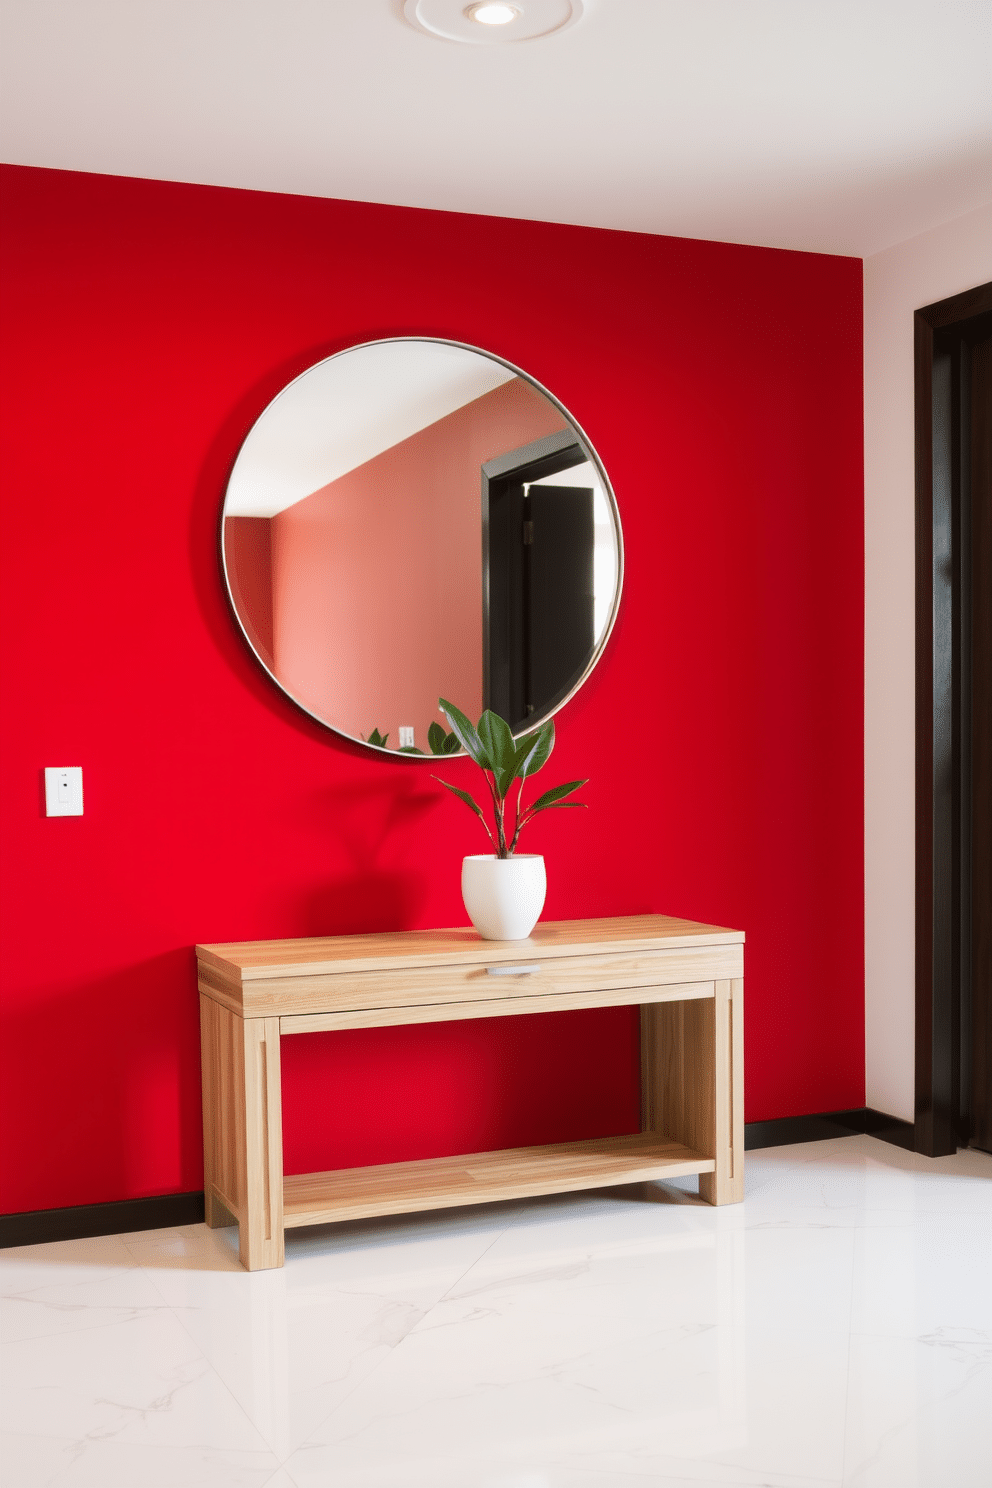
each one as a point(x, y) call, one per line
point(413, 519)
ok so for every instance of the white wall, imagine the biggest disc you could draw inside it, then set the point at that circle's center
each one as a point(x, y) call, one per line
point(950, 258)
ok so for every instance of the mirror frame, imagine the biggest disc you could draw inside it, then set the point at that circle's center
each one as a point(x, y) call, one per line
point(580, 437)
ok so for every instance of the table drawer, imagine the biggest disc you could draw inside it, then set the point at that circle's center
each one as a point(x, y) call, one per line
point(526, 976)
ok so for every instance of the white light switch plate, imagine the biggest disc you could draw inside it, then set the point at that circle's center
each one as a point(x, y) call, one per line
point(406, 737)
point(63, 790)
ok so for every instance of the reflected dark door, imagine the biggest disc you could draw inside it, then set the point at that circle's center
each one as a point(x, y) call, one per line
point(558, 605)
point(540, 612)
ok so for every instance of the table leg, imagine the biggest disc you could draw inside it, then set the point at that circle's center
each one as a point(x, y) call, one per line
point(219, 1032)
point(260, 1219)
point(726, 1184)
point(242, 1130)
point(692, 1082)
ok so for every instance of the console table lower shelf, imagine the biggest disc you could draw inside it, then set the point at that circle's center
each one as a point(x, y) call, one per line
point(687, 979)
point(482, 1177)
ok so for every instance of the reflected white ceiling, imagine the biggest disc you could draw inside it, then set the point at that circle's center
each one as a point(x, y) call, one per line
point(348, 409)
point(837, 125)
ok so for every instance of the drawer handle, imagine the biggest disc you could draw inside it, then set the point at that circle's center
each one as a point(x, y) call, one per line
point(513, 970)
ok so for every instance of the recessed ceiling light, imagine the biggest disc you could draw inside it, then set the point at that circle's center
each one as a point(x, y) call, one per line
point(491, 14)
point(489, 21)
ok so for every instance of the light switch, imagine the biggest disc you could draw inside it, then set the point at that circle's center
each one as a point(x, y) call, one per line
point(406, 736)
point(63, 790)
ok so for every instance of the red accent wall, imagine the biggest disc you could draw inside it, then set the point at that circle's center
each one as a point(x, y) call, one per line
point(145, 326)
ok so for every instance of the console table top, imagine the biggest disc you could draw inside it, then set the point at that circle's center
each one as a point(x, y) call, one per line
point(253, 960)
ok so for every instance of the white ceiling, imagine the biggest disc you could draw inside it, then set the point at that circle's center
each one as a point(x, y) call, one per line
point(837, 125)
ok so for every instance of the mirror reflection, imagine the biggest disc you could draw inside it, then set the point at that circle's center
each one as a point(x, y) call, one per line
point(414, 519)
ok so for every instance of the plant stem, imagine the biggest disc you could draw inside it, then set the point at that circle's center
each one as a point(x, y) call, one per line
point(517, 818)
point(498, 804)
point(501, 827)
point(488, 833)
point(521, 823)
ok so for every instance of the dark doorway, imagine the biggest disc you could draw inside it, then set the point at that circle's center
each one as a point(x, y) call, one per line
point(539, 603)
point(954, 723)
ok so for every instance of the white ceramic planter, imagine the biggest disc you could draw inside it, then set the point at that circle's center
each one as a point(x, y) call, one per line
point(504, 896)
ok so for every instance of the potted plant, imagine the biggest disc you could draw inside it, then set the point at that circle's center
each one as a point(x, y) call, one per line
point(503, 890)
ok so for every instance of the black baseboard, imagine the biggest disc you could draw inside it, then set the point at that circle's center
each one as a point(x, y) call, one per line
point(187, 1208)
point(890, 1129)
point(79, 1223)
point(827, 1124)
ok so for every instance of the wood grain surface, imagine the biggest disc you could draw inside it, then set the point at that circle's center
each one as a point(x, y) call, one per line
point(403, 987)
point(436, 1183)
point(247, 961)
point(507, 1007)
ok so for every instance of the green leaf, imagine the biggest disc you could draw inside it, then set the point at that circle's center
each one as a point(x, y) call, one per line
point(409, 749)
point(497, 741)
point(551, 797)
point(470, 802)
point(442, 743)
point(462, 795)
point(376, 738)
point(465, 730)
point(533, 750)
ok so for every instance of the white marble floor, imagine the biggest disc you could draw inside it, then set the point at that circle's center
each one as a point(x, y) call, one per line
point(835, 1328)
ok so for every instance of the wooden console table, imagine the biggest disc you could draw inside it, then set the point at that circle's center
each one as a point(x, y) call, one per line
point(687, 978)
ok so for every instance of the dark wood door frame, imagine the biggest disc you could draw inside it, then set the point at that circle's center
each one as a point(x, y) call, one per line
point(943, 730)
